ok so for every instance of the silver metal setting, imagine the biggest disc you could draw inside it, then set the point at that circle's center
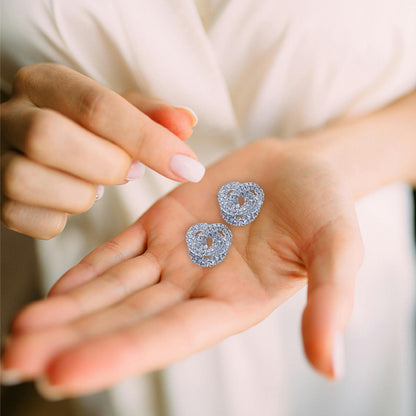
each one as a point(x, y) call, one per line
point(208, 244)
point(232, 211)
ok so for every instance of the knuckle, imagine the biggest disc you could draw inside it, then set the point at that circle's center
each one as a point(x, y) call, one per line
point(40, 133)
point(15, 180)
point(22, 78)
point(144, 142)
point(93, 108)
point(27, 77)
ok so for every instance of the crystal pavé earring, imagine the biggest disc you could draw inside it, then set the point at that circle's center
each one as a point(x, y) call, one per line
point(240, 204)
point(208, 243)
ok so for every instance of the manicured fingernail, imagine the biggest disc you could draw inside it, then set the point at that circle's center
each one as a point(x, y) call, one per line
point(100, 192)
point(192, 112)
point(136, 171)
point(338, 356)
point(10, 377)
point(47, 391)
point(187, 168)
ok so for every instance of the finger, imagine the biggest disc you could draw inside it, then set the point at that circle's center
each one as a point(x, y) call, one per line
point(37, 222)
point(36, 185)
point(179, 120)
point(332, 263)
point(109, 115)
point(165, 338)
point(28, 354)
point(51, 139)
point(112, 286)
point(129, 243)
point(131, 310)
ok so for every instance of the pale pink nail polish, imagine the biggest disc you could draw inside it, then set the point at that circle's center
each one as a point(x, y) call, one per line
point(11, 377)
point(100, 192)
point(187, 168)
point(136, 171)
point(47, 391)
point(338, 356)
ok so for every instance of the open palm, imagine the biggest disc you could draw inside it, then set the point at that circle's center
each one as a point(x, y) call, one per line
point(139, 303)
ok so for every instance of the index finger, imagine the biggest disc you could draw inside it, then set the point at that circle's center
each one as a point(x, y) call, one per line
point(107, 114)
point(130, 243)
point(186, 328)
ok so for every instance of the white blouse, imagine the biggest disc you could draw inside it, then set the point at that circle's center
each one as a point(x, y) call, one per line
point(249, 69)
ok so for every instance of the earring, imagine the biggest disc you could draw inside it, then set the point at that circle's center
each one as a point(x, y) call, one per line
point(240, 203)
point(208, 244)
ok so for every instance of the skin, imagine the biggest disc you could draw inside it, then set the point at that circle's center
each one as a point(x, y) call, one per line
point(113, 314)
point(65, 133)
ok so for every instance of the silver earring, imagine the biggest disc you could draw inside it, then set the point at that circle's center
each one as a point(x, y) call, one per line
point(208, 244)
point(240, 203)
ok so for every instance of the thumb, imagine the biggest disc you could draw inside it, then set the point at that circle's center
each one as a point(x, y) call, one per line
point(332, 261)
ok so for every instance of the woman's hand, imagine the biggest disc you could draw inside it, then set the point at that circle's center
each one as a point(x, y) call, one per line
point(66, 134)
point(138, 303)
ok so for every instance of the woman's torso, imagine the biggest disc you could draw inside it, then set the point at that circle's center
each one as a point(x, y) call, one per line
point(249, 69)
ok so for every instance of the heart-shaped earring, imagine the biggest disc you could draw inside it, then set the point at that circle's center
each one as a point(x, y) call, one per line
point(240, 203)
point(208, 243)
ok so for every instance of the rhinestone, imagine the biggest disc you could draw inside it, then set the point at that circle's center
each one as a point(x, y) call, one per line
point(231, 210)
point(199, 251)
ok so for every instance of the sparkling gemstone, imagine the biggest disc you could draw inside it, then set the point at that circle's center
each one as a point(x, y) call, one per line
point(200, 252)
point(229, 198)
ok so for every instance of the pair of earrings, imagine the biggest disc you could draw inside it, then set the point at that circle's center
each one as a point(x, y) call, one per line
point(240, 204)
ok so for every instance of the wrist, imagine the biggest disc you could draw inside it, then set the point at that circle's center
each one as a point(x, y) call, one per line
point(335, 148)
point(373, 150)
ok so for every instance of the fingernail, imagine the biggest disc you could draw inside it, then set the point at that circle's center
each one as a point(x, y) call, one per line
point(10, 377)
point(100, 192)
point(192, 112)
point(47, 391)
point(187, 168)
point(136, 171)
point(338, 356)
